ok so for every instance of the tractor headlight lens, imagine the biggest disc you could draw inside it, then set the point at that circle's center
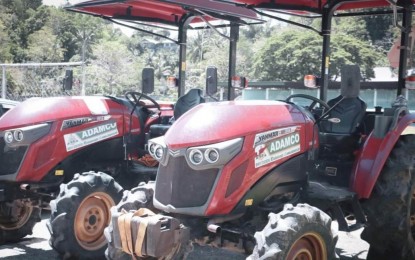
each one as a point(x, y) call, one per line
point(18, 135)
point(196, 156)
point(8, 137)
point(159, 152)
point(211, 155)
point(152, 148)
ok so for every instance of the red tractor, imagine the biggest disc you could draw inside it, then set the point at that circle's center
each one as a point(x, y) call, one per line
point(79, 154)
point(267, 177)
point(46, 141)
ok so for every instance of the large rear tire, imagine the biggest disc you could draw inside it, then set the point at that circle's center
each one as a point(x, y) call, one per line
point(297, 232)
point(80, 214)
point(391, 208)
point(17, 219)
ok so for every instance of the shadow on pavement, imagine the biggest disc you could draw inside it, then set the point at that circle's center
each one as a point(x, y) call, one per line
point(28, 248)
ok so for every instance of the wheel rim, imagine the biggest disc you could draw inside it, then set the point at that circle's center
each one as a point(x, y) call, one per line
point(310, 246)
point(23, 215)
point(92, 216)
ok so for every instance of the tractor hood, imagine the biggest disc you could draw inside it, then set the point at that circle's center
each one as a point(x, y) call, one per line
point(216, 122)
point(39, 110)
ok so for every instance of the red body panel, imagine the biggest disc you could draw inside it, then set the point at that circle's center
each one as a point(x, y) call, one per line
point(232, 120)
point(45, 153)
point(373, 156)
point(38, 110)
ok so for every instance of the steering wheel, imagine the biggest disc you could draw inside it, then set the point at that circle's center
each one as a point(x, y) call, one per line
point(313, 99)
point(136, 96)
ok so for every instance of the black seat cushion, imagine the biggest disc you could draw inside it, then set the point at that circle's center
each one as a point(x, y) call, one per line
point(183, 104)
point(350, 111)
point(186, 102)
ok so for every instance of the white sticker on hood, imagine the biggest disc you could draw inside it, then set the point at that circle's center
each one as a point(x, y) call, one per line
point(276, 144)
point(91, 135)
point(96, 106)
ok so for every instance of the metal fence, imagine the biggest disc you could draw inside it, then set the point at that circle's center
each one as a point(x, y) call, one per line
point(372, 97)
point(46, 80)
point(22, 81)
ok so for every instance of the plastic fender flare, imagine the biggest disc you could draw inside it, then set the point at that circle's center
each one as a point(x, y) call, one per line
point(373, 156)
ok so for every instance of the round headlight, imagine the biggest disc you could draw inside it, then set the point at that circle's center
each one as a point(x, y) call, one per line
point(18, 135)
point(159, 153)
point(212, 155)
point(196, 156)
point(152, 148)
point(8, 137)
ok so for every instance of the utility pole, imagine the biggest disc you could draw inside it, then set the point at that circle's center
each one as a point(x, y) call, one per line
point(3, 83)
point(83, 67)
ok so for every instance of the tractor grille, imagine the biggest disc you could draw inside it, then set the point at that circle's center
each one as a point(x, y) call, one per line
point(181, 186)
point(10, 158)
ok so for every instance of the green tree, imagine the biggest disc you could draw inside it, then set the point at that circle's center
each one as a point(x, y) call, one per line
point(63, 26)
point(294, 53)
point(113, 70)
point(21, 18)
point(380, 30)
point(5, 45)
point(44, 46)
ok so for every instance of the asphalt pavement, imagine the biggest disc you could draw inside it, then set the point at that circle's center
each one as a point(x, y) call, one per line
point(36, 247)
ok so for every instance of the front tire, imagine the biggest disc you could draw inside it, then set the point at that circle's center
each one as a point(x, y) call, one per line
point(391, 208)
point(80, 214)
point(17, 226)
point(297, 232)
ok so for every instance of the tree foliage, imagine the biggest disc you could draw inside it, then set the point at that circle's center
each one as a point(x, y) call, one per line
point(32, 32)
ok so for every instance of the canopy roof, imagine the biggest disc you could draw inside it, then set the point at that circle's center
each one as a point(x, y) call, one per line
point(314, 6)
point(169, 12)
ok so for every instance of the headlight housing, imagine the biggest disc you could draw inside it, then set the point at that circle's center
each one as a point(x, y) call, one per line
point(25, 135)
point(158, 149)
point(213, 155)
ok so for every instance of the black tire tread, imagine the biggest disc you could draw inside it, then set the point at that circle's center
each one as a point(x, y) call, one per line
point(64, 207)
point(388, 230)
point(12, 236)
point(284, 228)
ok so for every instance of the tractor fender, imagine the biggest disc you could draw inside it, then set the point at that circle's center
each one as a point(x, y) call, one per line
point(374, 153)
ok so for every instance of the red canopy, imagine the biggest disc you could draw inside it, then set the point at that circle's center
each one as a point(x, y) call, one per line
point(315, 6)
point(163, 11)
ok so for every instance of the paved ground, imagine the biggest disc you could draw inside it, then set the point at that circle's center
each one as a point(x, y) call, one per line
point(36, 247)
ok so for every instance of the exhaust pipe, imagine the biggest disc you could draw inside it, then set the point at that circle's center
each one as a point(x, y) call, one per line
point(25, 186)
point(213, 226)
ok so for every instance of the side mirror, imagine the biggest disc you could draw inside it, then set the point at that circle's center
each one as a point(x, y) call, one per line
point(211, 80)
point(67, 80)
point(147, 80)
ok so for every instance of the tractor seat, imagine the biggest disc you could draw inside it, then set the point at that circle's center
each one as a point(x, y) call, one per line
point(343, 137)
point(192, 98)
point(185, 103)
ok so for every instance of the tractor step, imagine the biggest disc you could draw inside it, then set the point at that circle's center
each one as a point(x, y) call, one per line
point(325, 191)
point(329, 197)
